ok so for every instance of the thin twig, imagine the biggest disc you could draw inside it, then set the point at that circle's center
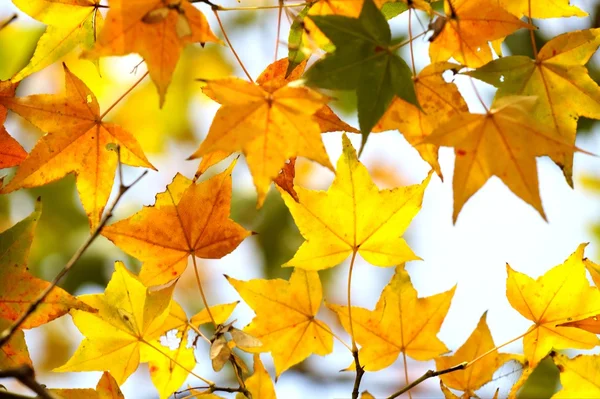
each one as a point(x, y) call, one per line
point(235, 54)
point(9, 21)
point(123, 95)
point(429, 374)
point(26, 376)
point(360, 371)
point(8, 333)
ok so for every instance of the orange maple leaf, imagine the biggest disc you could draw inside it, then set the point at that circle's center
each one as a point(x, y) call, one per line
point(559, 79)
point(156, 29)
point(75, 142)
point(481, 372)
point(107, 388)
point(19, 288)
point(270, 122)
point(467, 28)
point(187, 219)
point(504, 142)
point(400, 323)
point(439, 102)
point(11, 152)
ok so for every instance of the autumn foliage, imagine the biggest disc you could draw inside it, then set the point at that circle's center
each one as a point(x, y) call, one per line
point(334, 46)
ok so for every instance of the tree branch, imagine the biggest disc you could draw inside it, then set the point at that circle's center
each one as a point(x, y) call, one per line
point(26, 376)
point(8, 333)
point(8, 21)
point(360, 371)
point(429, 374)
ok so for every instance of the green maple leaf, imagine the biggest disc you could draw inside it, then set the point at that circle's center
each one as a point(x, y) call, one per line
point(364, 60)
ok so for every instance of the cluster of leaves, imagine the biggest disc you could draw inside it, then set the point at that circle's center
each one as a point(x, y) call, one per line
point(277, 118)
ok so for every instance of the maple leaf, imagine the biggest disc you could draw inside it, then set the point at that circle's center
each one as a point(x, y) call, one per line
point(285, 320)
point(11, 152)
point(14, 352)
point(157, 30)
point(274, 77)
point(19, 289)
point(549, 301)
point(259, 384)
point(480, 373)
point(75, 142)
point(439, 102)
point(353, 216)
point(468, 27)
point(503, 142)
point(107, 388)
point(364, 60)
point(541, 8)
point(400, 323)
point(187, 219)
point(285, 179)
point(126, 330)
point(579, 376)
point(269, 121)
point(558, 78)
point(70, 23)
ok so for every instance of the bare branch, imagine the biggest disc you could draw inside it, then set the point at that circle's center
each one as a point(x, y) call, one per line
point(8, 333)
point(429, 374)
point(26, 376)
point(8, 22)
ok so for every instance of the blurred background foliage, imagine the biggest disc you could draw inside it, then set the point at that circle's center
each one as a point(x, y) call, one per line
point(177, 128)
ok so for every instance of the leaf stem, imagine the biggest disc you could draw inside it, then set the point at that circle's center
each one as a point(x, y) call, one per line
point(469, 364)
point(8, 333)
point(235, 54)
point(8, 21)
point(26, 376)
point(204, 301)
point(209, 382)
point(360, 370)
point(123, 96)
point(426, 376)
point(531, 34)
point(410, 40)
point(406, 372)
point(279, 13)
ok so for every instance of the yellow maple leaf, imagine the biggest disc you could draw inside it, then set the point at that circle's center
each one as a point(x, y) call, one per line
point(107, 388)
point(259, 384)
point(401, 323)
point(270, 122)
point(285, 320)
point(467, 28)
point(157, 30)
point(541, 8)
point(126, 331)
point(11, 152)
point(559, 79)
point(353, 216)
point(504, 142)
point(579, 376)
point(75, 142)
point(19, 289)
point(187, 219)
point(70, 23)
point(549, 301)
point(439, 102)
point(481, 372)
